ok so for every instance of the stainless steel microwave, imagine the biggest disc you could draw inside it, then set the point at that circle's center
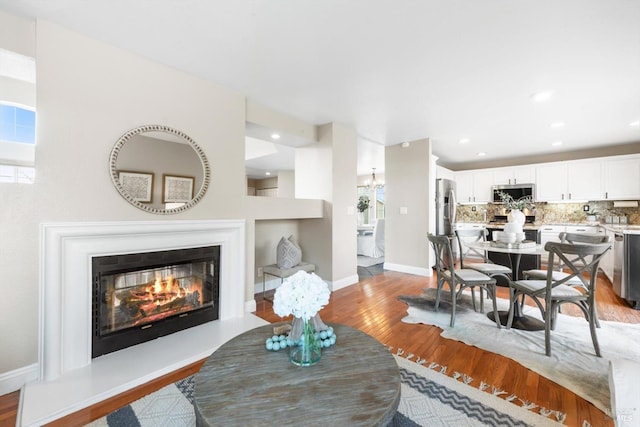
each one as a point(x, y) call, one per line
point(517, 191)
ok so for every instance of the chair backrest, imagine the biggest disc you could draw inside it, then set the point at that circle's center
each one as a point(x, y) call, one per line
point(471, 236)
point(442, 248)
point(578, 258)
point(590, 238)
point(580, 238)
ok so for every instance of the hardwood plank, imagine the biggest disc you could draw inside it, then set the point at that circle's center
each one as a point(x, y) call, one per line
point(9, 409)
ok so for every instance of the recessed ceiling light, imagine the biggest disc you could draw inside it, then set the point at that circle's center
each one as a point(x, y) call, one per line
point(406, 145)
point(464, 141)
point(635, 124)
point(268, 173)
point(557, 125)
point(542, 96)
point(556, 143)
point(275, 136)
point(482, 154)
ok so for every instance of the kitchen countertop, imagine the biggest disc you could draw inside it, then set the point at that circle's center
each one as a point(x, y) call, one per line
point(502, 224)
point(624, 228)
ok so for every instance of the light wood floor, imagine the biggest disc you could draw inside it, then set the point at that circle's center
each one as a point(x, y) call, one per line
point(372, 306)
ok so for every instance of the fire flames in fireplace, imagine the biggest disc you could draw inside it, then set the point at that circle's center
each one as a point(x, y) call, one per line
point(156, 300)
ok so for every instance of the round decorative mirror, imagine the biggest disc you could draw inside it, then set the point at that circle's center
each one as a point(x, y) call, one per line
point(159, 169)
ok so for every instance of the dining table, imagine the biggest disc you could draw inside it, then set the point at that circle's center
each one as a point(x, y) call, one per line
point(515, 252)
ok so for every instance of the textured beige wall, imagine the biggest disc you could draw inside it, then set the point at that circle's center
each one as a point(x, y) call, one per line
point(344, 190)
point(407, 185)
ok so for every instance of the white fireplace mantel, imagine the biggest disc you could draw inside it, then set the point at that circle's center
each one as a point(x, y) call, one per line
point(69, 378)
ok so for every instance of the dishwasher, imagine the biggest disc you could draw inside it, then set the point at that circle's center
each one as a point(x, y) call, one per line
point(618, 260)
point(631, 269)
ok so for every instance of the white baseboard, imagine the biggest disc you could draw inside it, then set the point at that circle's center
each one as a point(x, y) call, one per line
point(343, 283)
point(14, 380)
point(418, 271)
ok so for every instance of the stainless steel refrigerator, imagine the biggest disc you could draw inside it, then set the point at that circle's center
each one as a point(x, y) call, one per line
point(445, 206)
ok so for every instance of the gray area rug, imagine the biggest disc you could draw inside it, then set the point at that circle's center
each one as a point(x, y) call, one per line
point(573, 363)
point(428, 398)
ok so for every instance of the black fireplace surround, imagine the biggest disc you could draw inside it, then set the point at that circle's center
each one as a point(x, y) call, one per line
point(142, 296)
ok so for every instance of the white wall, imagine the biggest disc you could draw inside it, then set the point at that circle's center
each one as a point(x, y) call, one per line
point(286, 184)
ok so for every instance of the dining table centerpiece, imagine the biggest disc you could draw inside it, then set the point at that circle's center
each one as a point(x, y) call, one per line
point(302, 295)
point(516, 218)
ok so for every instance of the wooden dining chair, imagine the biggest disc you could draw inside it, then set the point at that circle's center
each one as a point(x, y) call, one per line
point(558, 266)
point(458, 279)
point(485, 266)
point(549, 294)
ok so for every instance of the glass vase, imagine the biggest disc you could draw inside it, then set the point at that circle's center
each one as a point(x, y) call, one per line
point(306, 350)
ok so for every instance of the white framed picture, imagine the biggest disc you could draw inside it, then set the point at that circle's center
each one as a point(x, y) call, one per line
point(139, 185)
point(177, 189)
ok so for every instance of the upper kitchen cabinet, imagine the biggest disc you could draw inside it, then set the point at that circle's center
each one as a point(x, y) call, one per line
point(551, 182)
point(584, 180)
point(514, 175)
point(474, 186)
point(622, 177)
point(445, 173)
point(566, 181)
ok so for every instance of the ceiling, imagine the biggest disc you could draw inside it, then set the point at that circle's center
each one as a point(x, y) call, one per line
point(400, 70)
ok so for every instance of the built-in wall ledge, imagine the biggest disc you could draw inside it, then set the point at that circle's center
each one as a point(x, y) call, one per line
point(284, 208)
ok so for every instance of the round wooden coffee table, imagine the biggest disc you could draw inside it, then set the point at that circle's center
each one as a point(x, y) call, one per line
point(356, 383)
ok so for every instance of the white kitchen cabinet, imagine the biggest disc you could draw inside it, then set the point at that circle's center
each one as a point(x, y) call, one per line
point(474, 186)
point(606, 178)
point(549, 233)
point(464, 187)
point(566, 181)
point(622, 178)
point(582, 229)
point(514, 175)
point(551, 182)
point(444, 173)
point(584, 180)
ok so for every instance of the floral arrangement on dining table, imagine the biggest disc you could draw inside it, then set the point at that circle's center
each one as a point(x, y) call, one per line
point(302, 295)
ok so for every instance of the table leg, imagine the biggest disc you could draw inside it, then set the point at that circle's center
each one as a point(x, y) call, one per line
point(520, 320)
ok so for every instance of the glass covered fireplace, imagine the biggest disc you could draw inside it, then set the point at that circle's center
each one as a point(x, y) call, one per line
point(142, 296)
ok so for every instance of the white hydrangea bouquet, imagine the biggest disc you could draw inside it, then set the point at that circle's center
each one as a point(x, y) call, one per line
point(301, 295)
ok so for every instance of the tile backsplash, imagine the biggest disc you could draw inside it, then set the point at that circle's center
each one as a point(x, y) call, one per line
point(551, 213)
